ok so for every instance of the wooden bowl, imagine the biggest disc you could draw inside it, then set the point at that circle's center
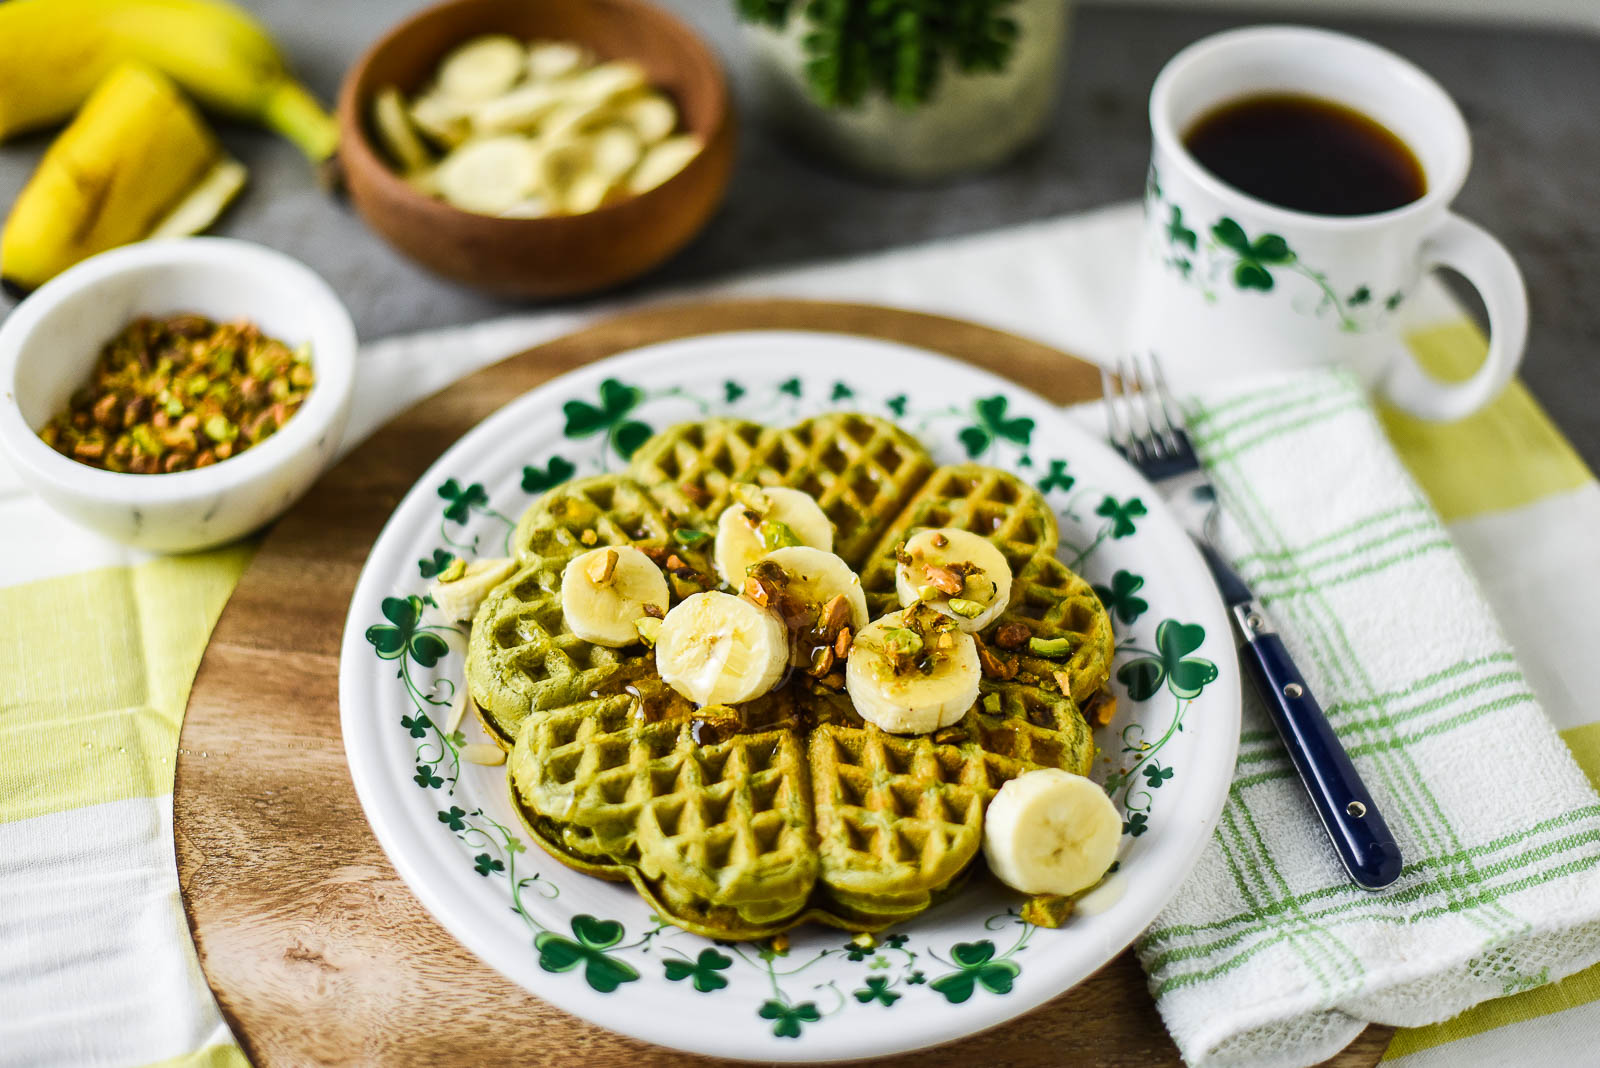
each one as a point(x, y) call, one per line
point(560, 255)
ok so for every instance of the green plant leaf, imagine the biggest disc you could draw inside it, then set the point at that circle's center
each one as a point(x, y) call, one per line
point(731, 391)
point(582, 419)
point(792, 387)
point(1136, 824)
point(1142, 677)
point(617, 398)
point(387, 640)
point(1119, 597)
point(485, 864)
point(877, 989)
point(842, 392)
point(557, 953)
point(897, 404)
point(455, 819)
point(1057, 478)
point(1179, 234)
point(1361, 296)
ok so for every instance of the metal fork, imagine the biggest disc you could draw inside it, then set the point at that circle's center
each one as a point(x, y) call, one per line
point(1147, 427)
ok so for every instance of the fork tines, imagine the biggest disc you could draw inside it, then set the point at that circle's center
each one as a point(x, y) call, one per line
point(1142, 419)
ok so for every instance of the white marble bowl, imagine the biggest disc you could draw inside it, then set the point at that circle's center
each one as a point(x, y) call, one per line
point(48, 348)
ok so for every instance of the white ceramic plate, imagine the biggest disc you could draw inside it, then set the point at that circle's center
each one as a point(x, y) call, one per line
point(593, 947)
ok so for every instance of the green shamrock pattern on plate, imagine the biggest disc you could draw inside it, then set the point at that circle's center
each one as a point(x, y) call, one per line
point(765, 980)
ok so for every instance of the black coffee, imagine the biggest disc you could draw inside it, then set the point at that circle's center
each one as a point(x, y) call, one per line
point(1307, 154)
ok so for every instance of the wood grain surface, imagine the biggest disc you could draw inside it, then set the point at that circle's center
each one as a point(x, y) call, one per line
point(316, 951)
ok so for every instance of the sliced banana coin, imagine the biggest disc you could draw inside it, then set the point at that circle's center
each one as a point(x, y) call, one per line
point(817, 576)
point(762, 520)
point(718, 649)
point(447, 123)
point(398, 136)
point(601, 83)
point(958, 573)
point(483, 67)
point(664, 160)
point(604, 592)
point(534, 207)
point(912, 671)
point(460, 589)
point(548, 60)
point(587, 192)
point(1049, 831)
point(518, 111)
point(615, 150)
point(650, 114)
point(489, 175)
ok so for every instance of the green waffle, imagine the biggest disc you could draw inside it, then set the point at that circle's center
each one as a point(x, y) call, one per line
point(806, 812)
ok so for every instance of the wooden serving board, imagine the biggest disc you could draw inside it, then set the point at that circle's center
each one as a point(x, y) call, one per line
point(316, 951)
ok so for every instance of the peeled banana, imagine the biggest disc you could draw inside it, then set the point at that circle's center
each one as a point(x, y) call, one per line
point(54, 52)
point(764, 520)
point(122, 170)
point(955, 572)
point(911, 674)
point(605, 592)
point(1049, 831)
point(718, 649)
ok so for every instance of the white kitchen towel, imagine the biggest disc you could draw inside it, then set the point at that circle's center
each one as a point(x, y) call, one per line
point(1269, 955)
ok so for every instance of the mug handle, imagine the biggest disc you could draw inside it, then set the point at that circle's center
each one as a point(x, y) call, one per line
point(1470, 249)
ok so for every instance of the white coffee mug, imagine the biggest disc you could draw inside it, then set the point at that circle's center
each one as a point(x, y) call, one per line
point(1230, 284)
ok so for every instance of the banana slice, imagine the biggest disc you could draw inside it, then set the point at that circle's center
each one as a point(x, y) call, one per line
point(482, 68)
point(549, 60)
point(615, 149)
point(911, 672)
point(447, 123)
point(957, 573)
point(651, 116)
point(458, 596)
point(664, 160)
point(604, 591)
point(395, 131)
point(817, 576)
point(534, 207)
point(600, 84)
point(764, 520)
point(1049, 831)
point(718, 649)
point(489, 175)
point(518, 111)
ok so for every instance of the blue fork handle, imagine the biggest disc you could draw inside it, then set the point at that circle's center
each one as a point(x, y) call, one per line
point(1360, 835)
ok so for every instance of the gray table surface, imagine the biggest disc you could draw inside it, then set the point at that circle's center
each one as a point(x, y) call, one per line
point(1529, 96)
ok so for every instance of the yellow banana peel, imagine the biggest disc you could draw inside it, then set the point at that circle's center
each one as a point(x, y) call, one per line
point(54, 52)
point(134, 154)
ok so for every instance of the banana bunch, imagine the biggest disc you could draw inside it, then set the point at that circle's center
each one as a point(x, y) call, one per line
point(137, 162)
point(53, 53)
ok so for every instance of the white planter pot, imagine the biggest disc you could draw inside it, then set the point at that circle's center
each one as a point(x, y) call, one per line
point(972, 121)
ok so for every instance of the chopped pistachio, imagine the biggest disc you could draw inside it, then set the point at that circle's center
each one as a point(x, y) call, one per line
point(902, 641)
point(751, 496)
point(588, 537)
point(991, 703)
point(648, 627)
point(687, 537)
point(929, 593)
point(780, 944)
point(775, 534)
point(1049, 648)
point(453, 571)
point(864, 940)
point(602, 567)
point(966, 609)
point(1047, 910)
